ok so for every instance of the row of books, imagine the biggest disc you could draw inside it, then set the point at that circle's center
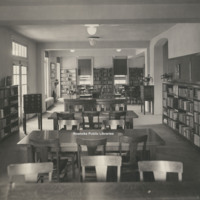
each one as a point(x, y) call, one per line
point(63, 71)
point(67, 83)
point(103, 82)
point(186, 105)
point(4, 93)
point(66, 75)
point(197, 129)
point(173, 114)
point(197, 94)
point(197, 140)
point(187, 132)
point(14, 102)
point(1, 113)
point(197, 106)
point(173, 124)
point(186, 92)
point(186, 119)
point(14, 91)
point(3, 103)
point(197, 117)
point(172, 102)
point(2, 123)
point(68, 79)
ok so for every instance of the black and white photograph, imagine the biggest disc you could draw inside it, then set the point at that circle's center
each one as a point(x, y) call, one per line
point(99, 99)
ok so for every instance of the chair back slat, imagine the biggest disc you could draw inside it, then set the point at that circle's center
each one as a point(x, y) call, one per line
point(90, 119)
point(101, 163)
point(114, 124)
point(160, 169)
point(30, 171)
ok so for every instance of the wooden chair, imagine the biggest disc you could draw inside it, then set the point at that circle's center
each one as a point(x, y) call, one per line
point(46, 150)
point(104, 105)
point(101, 164)
point(29, 171)
point(91, 146)
point(114, 124)
point(71, 156)
point(90, 120)
point(72, 124)
point(62, 117)
point(160, 169)
point(131, 157)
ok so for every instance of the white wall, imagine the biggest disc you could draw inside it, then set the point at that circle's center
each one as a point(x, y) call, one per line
point(103, 58)
point(183, 39)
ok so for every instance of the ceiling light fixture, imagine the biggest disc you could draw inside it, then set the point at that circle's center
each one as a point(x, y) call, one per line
point(92, 40)
point(72, 50)
point(91, 28)
point(118, 50)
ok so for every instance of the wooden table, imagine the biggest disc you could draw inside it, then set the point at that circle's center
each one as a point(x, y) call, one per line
point(105, 191)
point(104, 115)
point(68, 139)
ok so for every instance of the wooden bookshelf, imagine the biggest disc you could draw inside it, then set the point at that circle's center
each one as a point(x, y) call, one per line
point(181, 109)
point(68, 81)
point(103, 81)
point(9, 120)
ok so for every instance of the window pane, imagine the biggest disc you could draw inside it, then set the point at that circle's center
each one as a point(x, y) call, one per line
point(24, 70)
point(15, 69)
point(24, 79)
point(16, 79)
point(19, 50)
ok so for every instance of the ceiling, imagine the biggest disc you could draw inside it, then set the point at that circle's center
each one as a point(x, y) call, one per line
point(126, 24)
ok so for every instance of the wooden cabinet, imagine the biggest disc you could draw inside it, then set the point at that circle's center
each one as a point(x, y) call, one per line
point(147, 94)
point(9, 116)
point(33, 104)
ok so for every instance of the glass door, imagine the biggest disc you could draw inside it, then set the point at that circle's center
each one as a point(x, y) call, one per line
point(20, 79)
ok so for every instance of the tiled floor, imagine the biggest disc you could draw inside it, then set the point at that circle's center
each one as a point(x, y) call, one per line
point(176, 148)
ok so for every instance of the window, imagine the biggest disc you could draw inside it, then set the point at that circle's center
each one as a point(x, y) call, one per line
point(19, 50)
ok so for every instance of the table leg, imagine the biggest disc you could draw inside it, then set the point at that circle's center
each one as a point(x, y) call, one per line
point(152, 152)
point(153, 107)
point(24, 124)
point(55, 124)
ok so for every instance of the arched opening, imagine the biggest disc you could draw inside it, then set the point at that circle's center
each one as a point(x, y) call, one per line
point(160, 67)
